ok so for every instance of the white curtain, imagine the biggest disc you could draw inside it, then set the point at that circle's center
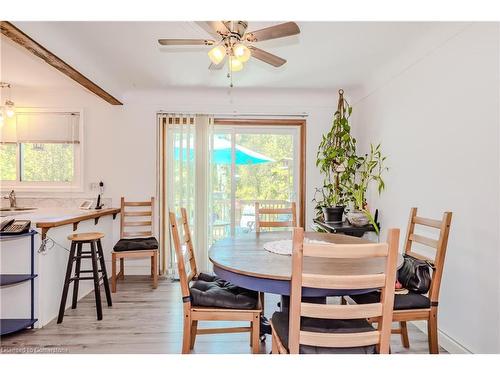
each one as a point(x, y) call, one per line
point(187, 178)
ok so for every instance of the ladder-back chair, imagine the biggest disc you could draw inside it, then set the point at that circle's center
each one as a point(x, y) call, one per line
point(327, 328)
point(271, 212)
point(194, 313)
point(138, 242)
point(414, 306)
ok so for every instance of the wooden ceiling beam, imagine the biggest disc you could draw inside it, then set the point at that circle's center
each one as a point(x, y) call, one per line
point(16, 35)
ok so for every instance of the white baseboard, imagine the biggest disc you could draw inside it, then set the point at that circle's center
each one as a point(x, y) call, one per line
point(445, 341)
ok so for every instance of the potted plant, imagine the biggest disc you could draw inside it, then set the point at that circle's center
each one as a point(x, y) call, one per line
point(369, 169)
point(336, 160)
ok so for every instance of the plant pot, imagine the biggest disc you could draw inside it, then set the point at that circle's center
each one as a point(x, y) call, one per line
point(333, 214)
point(357, 218)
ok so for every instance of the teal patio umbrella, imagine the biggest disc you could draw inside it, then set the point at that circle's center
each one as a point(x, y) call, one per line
point(221, 153)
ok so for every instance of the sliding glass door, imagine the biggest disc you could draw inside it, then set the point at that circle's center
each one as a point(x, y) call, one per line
point(219, 168)
point(260, 164)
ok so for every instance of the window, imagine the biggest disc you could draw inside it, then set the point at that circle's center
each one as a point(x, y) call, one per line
point(41, 151)
point(264, 168)
point(8, 161)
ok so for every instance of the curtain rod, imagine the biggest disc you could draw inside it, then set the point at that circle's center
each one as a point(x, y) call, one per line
point(229, 115)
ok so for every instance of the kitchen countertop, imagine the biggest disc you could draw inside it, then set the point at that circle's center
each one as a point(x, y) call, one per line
point(46, 218)
point(56, 214)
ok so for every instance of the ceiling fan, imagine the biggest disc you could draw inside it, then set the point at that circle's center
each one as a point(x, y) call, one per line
point(231, 40)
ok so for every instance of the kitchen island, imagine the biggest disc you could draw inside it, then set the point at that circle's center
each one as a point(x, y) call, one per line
point(53, 225)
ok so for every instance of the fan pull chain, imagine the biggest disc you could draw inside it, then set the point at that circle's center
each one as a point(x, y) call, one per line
point(229, 72)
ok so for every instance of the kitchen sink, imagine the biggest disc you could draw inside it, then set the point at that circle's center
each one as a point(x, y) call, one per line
point(14, 209)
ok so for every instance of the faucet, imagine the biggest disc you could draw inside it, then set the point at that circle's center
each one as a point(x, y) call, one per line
point(12, 199)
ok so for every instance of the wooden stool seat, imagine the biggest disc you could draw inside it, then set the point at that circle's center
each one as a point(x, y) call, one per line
point(85, 237)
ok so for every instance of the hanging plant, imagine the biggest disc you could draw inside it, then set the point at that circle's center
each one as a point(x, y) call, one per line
point(336, 159)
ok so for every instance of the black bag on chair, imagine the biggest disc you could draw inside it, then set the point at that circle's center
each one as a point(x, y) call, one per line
point(415, 275)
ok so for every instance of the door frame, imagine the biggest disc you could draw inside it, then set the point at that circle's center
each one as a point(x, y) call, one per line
point(162, 170)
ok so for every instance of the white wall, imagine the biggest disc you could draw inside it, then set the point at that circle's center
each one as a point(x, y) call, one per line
point(438, 123)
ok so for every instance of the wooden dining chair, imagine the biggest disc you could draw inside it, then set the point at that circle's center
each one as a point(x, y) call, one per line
point(327, 328)
point(271, 213)
point(138, 242)
point(194, 286)
point(414, 306)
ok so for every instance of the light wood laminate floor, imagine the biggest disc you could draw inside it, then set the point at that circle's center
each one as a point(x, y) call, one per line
point(143, 320)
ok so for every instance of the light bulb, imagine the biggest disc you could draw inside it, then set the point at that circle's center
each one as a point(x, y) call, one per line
point(241, 52)
point(217, 54)
point(9, 108)
point(236, 65)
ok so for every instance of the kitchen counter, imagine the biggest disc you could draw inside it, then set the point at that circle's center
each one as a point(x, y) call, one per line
point(55, 224)
point(56, 215)
point(70, 216)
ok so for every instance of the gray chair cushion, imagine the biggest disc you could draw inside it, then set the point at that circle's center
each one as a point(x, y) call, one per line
point(130, 244)
point(211, 291)
point(401, 301)
point(280, 324)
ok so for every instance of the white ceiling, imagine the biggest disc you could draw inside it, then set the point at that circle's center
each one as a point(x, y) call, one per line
point(121, 56)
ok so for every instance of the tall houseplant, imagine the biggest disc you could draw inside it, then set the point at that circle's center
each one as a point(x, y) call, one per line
point(336, 159)
point(369, 169)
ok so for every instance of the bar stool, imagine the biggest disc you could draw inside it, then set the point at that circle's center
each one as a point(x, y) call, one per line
point(77, 241)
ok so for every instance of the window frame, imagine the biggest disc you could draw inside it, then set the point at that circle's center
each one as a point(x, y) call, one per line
point(301, 126)
point(47, 186)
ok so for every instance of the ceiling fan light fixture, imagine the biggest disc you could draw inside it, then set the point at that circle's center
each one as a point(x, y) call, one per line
point(235, 65)
point(217, 54)
point(10, 109)
point(241, 52)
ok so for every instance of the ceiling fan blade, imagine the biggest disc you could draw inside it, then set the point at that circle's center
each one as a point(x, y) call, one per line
point(273, 32)
point(266, 56)
point(186, 42)
point(214, 28)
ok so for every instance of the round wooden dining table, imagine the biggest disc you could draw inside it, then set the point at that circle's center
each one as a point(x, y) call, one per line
point(243, 261)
